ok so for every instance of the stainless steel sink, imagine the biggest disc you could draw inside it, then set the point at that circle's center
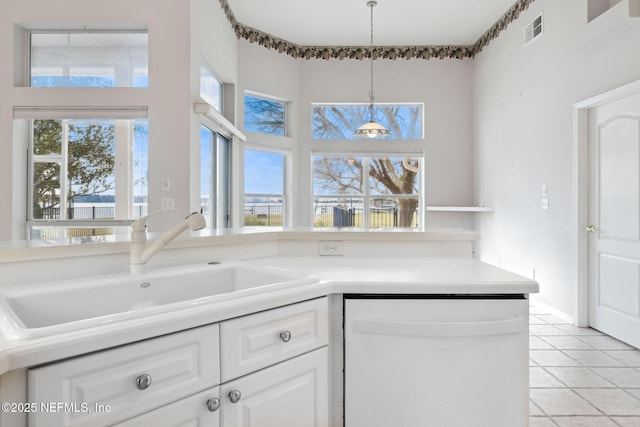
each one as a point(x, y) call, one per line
point(43, 309)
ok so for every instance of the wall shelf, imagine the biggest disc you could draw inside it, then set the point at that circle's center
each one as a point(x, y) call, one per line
point(460, 209)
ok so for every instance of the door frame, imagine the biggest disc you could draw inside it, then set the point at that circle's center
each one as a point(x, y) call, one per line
point(581, 194)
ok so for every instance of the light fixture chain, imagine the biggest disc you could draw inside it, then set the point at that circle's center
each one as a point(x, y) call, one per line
point(371, 94)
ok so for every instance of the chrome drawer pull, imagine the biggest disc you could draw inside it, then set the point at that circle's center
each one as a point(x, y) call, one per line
point(285, 336)
point(213, 404)
point(143, 381)
point(234, 396)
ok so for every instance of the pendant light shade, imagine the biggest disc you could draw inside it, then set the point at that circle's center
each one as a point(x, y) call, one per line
point(371, 129)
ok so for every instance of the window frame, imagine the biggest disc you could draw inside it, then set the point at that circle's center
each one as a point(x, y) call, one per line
point(60, 227)
point(286, 183)
point(367, 196)
point(28, 53)
point(220, 189)
point(365, 106)
point(285, 115)
point(205, 64)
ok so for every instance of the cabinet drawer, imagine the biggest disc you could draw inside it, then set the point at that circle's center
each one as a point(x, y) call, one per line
point(110, 386)
point(256, 341)
point(202, 409)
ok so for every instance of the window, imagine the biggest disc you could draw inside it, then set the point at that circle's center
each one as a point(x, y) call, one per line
point(210, 86)
point(339, 121)
point(264, 188)
point(85, 171)
point(89, 59)
point(363, 191)
point(264, 115)
point(215, 172)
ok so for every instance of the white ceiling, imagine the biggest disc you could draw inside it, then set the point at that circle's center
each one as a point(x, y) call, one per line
point(347, 22)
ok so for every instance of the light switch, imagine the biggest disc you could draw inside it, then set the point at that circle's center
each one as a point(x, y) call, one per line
point(166, 184)
point(545, 192)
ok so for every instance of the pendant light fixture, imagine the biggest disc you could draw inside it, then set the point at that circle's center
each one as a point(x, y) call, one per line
point(371, 129)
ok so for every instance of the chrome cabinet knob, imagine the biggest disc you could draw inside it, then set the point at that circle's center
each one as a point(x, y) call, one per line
point(143, 381)
point(285, 336)
point(591, 228)
point(213, 404)
point(234, 396)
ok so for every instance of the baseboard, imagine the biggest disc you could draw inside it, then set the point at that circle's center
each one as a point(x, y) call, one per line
point(552, 310)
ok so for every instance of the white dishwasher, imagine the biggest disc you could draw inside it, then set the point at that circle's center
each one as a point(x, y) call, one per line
point(436, 361)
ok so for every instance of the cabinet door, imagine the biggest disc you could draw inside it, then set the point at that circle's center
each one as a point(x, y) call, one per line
point(200, 410)
point(292, 393)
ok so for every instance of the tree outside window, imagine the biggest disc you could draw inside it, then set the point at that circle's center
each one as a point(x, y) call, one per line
point(366, 191)
point(264, 115)
point(75, 172)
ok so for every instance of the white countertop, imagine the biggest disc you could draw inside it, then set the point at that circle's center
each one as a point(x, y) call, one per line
point(381, 275)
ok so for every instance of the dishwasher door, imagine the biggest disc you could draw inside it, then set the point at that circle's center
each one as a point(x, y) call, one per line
point(436, 362)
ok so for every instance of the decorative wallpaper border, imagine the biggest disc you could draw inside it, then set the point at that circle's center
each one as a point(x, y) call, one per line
point(385, 52)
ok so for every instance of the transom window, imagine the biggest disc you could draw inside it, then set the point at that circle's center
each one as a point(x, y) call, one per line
point(210, 86)
point(264, 115)
point(366, 191)
point(339, 121)
point(89, 59)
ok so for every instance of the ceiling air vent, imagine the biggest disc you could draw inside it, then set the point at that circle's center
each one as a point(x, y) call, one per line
point(533, 30)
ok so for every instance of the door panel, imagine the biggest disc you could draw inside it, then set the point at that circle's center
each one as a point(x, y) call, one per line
point(614, 211)
point(619, 183)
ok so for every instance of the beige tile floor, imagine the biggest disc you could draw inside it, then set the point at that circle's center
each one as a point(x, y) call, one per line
point(580, 377)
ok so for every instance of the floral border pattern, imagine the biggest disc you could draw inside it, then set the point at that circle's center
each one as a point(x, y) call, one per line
point(379, 52)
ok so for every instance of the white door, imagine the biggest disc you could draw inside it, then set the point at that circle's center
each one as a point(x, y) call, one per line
point(294, 393)
point(614, 218)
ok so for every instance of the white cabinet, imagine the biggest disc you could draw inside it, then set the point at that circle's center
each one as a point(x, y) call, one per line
point(436, 362)
point(113, 385)
point(200, 410)
point(273, 363)
point(259, 340)
point(292, 393)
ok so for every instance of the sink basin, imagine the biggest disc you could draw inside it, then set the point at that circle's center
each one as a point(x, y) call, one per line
point(43, 309)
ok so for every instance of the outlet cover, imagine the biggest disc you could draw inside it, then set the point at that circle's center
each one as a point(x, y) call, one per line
point(331, 248)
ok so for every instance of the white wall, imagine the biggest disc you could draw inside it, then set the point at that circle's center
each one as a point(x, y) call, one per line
point(523, 135)
point(444, 86)
point(169, 96)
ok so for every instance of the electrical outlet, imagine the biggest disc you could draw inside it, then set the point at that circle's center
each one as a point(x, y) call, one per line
point(168, 204)
point(331, 248)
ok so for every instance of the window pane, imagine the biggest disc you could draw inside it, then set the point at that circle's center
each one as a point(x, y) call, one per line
point(47, 137)
point(77, 59)
point(206, 172)
point(140, 168)
point(264, 115)
point(264, 188)
point(210, 87)
point(404, 121)
point(263, 172)
point(394, 175)
point(101, 173)
point(46, 190)
point(91, 168)
point(337, 175)
point(338, 212)
point(263, 211)
point(391, 212)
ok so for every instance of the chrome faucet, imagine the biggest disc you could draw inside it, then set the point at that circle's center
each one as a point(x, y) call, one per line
point(141, 251)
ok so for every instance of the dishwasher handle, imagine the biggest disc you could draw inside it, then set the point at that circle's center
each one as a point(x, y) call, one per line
point(438, 329)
